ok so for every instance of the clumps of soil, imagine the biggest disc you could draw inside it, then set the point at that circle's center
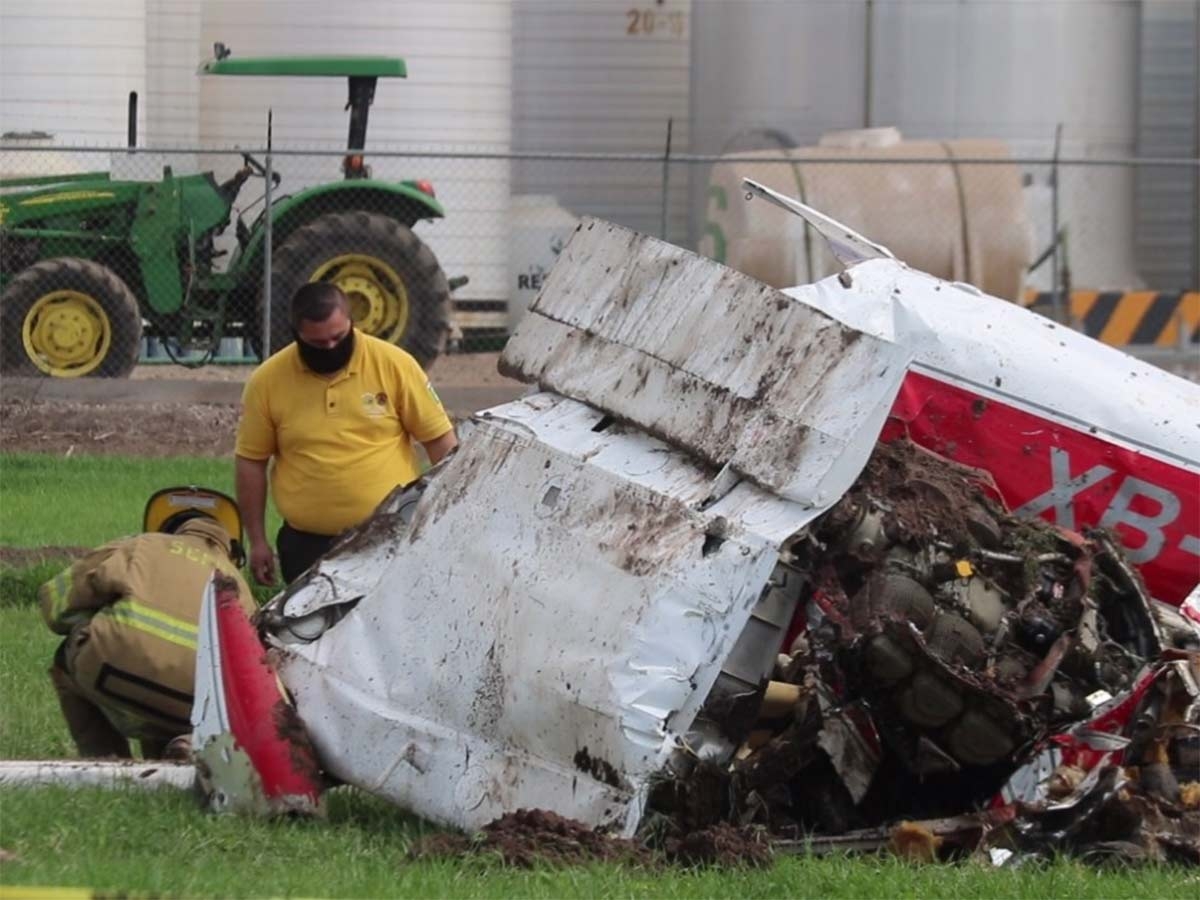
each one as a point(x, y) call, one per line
point(721, 845)
point(536, 837)
point(600, 769)
point(290, 729)
point(914, 842)
point(927, 497)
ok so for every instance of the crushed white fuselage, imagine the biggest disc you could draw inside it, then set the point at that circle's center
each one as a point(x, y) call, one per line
point(538, 621)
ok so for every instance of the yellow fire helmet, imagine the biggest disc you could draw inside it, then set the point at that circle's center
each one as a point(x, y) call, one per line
point(169, 508)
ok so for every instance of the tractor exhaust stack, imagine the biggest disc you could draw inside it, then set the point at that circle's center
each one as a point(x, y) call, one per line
point(131, 137)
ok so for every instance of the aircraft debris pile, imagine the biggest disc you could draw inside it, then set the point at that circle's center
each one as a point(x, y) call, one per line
point(697, 583)
point(940, 645)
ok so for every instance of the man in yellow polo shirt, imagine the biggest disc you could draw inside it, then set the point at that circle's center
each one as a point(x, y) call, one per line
point(337, 410)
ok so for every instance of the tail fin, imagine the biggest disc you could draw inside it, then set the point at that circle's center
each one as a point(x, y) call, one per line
point(252, 752)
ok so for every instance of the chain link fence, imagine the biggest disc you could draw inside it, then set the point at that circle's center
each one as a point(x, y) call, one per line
point(111, 259)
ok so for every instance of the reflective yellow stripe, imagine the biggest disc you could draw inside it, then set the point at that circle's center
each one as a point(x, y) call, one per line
point(152, 621)
point(59, 589)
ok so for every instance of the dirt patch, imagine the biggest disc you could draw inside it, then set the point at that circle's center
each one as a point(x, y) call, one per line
point(67, 427)
point(530, 837)
point(455, 370)
point(146, 430)
point(721, 845)
point(468, 370)
point(203, 373)
point(538, 837)
point(24, 557)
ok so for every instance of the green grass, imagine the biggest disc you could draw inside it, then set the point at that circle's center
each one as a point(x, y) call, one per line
point(87, 500)
point(161, 843)
point(31, 726)
point(18, 587)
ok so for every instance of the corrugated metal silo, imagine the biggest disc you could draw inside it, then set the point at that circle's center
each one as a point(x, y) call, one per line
point(1168, 199)
point(67, 67)
point(602, 76)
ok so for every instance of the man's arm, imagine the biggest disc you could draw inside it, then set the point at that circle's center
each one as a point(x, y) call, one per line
point(251, 478)
point(440, 446)
point(74, 594)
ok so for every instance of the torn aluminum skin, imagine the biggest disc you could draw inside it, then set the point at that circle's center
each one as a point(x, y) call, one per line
point(538, 621)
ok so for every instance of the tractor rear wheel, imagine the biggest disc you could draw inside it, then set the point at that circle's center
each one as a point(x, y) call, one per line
point(68, 318)
point(396, 286)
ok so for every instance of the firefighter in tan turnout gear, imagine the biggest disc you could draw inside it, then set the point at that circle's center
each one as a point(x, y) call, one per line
point(129, 611)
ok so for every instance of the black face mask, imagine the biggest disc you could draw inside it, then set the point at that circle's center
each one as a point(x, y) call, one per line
point(326, 360)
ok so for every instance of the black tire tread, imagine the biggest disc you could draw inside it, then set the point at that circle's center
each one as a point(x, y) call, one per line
point(428, 289)
point(89, 277)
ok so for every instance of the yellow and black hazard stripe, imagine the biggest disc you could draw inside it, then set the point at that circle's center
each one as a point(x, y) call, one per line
point(1129, 317)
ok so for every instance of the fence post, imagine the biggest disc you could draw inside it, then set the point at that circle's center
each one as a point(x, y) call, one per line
point(666, 182)
point(265, 343)
point(1056, 303)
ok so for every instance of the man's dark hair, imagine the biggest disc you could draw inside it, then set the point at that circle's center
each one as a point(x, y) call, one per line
point(316, 301)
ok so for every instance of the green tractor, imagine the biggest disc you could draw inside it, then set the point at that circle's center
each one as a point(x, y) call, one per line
point(85, 260)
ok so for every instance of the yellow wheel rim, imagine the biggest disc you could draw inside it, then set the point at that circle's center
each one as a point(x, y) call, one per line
point(378, 296)
point(67, 334)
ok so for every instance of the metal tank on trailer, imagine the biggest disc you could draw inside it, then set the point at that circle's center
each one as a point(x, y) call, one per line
point(1004, 70)
point(974, 226)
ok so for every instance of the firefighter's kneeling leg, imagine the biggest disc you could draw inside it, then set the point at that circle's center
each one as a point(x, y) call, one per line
point(93, 733)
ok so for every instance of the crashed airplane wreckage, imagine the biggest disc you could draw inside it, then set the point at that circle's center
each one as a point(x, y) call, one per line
point(748, 556)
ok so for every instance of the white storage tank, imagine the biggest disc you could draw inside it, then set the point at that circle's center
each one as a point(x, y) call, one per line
point(980, 69)
point(1013, 71)
point(456, 97)
point(540, 229)
point(603, 76)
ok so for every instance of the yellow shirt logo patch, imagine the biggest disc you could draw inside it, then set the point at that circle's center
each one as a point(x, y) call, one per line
point(375, 404)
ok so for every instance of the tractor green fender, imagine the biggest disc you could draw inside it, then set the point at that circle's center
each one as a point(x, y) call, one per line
point(400, 200)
